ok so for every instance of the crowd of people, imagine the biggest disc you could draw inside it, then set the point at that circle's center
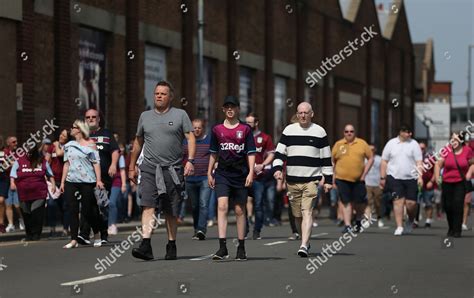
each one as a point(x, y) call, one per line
point(91, 181)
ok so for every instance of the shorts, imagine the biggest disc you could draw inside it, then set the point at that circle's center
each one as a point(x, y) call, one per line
point(437, 196)
point(427, 197)
point(400, 188)
point(170, 201)
point(351, 192)
point(4, 187)
point(302, 196)
point(12, 198)
point(236, 194)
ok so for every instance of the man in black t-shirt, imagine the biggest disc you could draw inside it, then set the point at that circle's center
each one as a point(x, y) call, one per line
point(109, 155)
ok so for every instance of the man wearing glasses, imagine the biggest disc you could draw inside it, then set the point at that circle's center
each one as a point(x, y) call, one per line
point(109, 155)
point(305, 148)
point(349, 155)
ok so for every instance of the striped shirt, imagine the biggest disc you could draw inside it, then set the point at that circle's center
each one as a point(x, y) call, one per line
point(201, 158)
point(306, 152)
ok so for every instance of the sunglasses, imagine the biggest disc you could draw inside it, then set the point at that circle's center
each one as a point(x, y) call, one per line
point(349, 131)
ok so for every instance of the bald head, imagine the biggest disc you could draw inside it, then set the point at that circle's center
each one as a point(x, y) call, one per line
point(304, 114)
point(304, 106)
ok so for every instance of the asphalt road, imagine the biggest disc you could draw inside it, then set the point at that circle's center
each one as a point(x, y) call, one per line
point(373, 264)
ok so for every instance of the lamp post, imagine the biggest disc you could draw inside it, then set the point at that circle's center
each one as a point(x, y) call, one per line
point(469, 82)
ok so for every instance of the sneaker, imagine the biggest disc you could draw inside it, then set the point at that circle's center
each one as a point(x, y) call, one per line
point(143, 252)
point(241, 255)
point(303, 251)
point(112, 230)
point(294, 236)
point(340, 223)
point(103, 241)
point(210, 223)
point(195, 237)
point(347, 229)
point(408, 227)
point(398, 231)
point(315, 224)
point(256, 235)
point(380, 223)
point(170, 252)
point(221, 254)
point(201, 235)
point(83, 240)
point(2, 229)
point(127, 219)
point(427, 225)
point(464, 227)
point(97, 243)
point(10, 228)
point(22, 224)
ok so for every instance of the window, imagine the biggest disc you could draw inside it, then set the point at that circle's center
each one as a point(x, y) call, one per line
point(374, 122)
point(206, 110)
point(280, 106)
point(155, 71)
point(245, 91)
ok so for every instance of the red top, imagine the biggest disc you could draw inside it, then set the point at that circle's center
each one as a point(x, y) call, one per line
point(264, 145)
point(56, 163)
point(451, 173)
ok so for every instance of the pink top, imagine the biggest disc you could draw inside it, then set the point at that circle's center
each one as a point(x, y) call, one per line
point(451, 173)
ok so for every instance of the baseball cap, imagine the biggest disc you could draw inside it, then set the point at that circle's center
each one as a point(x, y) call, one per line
point(232, 100)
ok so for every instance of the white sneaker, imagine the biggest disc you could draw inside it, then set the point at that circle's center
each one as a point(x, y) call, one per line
point(112, 230)
point(22, 225)
point(398, 231)
point(464, 227)
point(315, 224)
point(10, 228)
point(97, 243)
point(210, 223)
point(380, 223)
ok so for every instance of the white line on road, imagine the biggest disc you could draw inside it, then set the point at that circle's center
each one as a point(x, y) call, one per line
point(90, 280)
point(275, 243)
point(320, 234)
point(201, 258)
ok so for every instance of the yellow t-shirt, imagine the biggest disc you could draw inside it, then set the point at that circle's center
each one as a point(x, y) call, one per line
point(350, 158)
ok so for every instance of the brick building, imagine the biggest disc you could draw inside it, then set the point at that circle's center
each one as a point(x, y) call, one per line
point(58, 57)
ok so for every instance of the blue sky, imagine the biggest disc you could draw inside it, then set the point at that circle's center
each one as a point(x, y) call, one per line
point(450, 24)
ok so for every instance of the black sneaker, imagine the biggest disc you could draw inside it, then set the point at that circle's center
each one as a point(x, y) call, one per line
point(143, 252)
point(170, 252)
point(347, 229)
point(241, 255)
point(200, 235)
point(221, 254)
point(256, 235)
point(195, 237)
point(303, 252)
point(83, 240)
point(427, 225)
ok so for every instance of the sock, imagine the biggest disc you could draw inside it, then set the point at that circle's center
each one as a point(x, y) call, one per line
point(241, 243)
point(222, 242)
point(172, 242)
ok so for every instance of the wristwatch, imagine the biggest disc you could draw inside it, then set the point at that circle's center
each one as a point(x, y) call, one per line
point(191, 160)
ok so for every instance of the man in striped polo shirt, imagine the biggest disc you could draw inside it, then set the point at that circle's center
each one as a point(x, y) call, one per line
point(305, 148)
point(197, 186)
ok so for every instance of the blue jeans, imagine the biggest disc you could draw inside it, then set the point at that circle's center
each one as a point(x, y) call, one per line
point(199, 193)
point(263, 200)
point(211, 215)
point(114, 204)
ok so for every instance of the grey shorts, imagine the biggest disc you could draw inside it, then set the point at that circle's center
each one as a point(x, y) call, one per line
point(168, 203)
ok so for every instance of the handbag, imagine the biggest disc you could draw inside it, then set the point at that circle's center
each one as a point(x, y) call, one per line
point(467, 183)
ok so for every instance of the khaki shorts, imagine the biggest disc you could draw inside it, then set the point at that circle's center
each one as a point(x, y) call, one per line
point(301, 196)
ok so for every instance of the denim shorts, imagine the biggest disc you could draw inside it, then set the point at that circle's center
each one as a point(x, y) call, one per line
point(427, 197)
point(12, 198)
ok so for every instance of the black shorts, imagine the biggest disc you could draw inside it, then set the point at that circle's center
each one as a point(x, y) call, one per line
point(4, 186)
point(400, 188)
point(170, 201)
point(236, 195)
point(351, 192)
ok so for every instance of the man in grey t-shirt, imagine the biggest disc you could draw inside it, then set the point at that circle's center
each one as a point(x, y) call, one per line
point(162, 131)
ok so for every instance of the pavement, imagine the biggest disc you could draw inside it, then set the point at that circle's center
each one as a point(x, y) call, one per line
point(373, 263)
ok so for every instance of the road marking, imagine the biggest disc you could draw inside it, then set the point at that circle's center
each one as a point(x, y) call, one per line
point(275, 243)
point(320, 234)
point(90, 280)
point(202, 258)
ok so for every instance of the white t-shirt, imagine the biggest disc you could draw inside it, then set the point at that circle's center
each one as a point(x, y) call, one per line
point(373, 176)
point(402, 158)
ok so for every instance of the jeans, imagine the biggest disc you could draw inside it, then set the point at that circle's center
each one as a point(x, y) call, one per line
point(114, 204)
point(264, 197)
point(211, 215)
point(199, 193)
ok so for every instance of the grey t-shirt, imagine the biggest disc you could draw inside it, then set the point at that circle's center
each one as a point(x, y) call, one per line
point(163, 135)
